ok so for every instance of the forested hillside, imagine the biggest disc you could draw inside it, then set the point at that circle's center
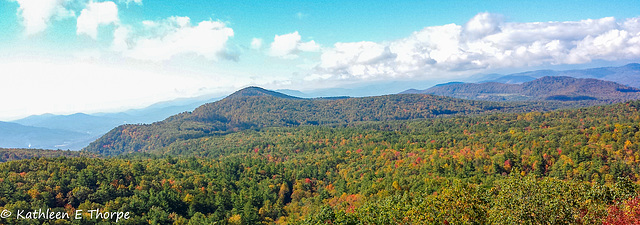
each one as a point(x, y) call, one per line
point(574, 166)
point(545, 88)
point(18, 154)
point(148, 112)
point(255, 108)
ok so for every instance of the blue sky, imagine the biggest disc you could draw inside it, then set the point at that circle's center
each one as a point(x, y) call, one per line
point(67, 56)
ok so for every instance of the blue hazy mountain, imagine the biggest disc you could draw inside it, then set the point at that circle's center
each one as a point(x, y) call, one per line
point(511, 79)
point(78, 122)
point(161, 110)
point(13, 135)
point(627, 75)
point(75, 131)
point(556, 88)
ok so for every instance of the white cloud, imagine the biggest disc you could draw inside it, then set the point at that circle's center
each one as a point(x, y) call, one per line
point(120, 39)
point(95, 15)
point(360, 59)
point(162, 40)
point(485, 42)
point(37, 14)
point(483, 24)
point(309, 46)
point(611, 45)
point(256, 43)
point(288, 46)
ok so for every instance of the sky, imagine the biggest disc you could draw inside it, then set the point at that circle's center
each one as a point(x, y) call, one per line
point(68, 56)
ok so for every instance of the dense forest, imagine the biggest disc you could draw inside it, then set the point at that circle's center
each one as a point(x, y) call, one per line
point(568, 166)
point(17, 154)
point(255, 108)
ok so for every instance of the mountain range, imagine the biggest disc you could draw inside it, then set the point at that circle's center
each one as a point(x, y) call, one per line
point(254, 108)
point(559, 88)
point(627, 75)
point(14, 135)
point(76, 131)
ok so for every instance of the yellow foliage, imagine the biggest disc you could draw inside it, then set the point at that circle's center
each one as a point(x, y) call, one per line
point(396, 185)
point(33, 193)
point(235, 219)
point(188, 198)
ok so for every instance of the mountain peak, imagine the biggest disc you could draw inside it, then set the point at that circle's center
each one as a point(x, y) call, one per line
point(632, 66)
point(258, 91)
point(448, 83)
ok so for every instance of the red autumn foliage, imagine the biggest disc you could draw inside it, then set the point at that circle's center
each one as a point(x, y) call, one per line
point(627, 212)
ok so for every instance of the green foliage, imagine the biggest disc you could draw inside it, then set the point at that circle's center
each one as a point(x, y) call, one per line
point(17, 154)
point(559, 167)
point(255, 112)
point(554, 88)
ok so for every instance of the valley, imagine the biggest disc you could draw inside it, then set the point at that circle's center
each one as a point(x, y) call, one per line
point(260, 156)
point(575, 88)
point(319, 112)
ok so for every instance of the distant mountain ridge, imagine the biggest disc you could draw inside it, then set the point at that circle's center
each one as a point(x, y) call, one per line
point(510, 79)
point(257, 91)
point(13, 135)
point(627, 75)
point(99, 123)
point(78, 122)
point(556, 88)
point(254, 108)
point(76, 131)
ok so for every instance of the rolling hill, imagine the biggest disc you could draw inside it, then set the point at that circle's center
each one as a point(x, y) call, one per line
point(556, 88)
point(256, 108)
point(563, 167)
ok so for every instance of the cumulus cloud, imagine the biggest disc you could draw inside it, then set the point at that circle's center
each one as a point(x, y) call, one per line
point(288, 46)
point(37, 14)
point(121, 40)
point(358, 59)
point(256, 43)
point(485, 42)
point(162, 40)
point(483, 24)
point(94, 15)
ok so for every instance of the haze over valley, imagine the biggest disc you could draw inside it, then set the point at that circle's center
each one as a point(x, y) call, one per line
point(582, 87)
point(319, 112)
